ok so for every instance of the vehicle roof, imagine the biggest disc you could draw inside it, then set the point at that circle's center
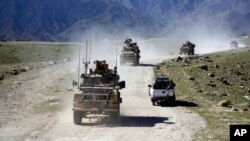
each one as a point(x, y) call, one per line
point(162, 78)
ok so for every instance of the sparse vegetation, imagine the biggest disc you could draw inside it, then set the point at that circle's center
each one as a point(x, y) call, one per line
point(29, 52)
point(227, 77)
point(47, 106)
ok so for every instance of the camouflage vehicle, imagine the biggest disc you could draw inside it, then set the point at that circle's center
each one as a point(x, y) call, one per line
point(130, 53)
point(187, 48)
point(234, 44)
point(98, 93)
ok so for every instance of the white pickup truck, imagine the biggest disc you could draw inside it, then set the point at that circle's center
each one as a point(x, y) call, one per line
point(162, 91)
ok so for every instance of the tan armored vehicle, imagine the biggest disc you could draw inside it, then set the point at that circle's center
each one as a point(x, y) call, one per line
point(234, 44)
point(98, 93)
point(187, 48)
point(130, 53)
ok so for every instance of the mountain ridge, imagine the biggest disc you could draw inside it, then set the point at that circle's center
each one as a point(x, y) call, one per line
point(65, 20)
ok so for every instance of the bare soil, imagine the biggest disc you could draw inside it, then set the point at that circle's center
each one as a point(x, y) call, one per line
point(36, 105)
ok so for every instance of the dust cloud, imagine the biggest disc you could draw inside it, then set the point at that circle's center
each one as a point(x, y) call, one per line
point(210, 34)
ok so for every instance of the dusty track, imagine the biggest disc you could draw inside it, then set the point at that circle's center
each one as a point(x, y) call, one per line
point(139, 119)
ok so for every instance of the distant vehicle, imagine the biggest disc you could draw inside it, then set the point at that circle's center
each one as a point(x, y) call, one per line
point(130, 53)
point(234, 44)
point(187, 48)
point(98, 93)
point(162, 91)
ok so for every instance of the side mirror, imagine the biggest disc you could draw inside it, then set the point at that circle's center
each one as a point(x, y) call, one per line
point(82, 75)
point(74, 83)
point(122, 84)
point(149, 86)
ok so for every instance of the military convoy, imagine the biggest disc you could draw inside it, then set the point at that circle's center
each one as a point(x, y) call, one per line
point(187, 48)
point(234, 44)
point(98, 93)
point(130, 53)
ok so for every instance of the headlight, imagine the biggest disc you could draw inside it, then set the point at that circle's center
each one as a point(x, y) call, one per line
point(115, 92)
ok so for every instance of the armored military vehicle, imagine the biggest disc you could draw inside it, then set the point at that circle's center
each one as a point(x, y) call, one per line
point(130, 53)
point(98, 93)
point(187, 48)
point(234, 44)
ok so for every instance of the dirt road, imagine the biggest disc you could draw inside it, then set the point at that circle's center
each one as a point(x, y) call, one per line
point(139, 119)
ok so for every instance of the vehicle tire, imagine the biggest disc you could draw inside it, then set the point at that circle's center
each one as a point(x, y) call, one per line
point(173, 98)
point(153, 103)
point(137, 62)
point(77, 117)
point(115, 117)
point(159, 103)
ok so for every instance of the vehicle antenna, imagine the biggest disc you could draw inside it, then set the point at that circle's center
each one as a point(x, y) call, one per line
point(86, 61)
point(79, 61)
point(116, 53)
point(116, 57)
point(90, 51)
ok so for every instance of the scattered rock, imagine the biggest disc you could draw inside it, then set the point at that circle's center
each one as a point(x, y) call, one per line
point(1, 76)
point(236, 72)
point(199, 91)
point(235, 109)
point(24, 69)
point(224, 103)
point(69, 89)
point(220, 78)
point(191, 77)
point(242, 87)
point(203, 67)
point(244, 109)
point(17, 83)
point(239, 66)
point(225, 82)
point(187, 60)
point(53, 99)
point(168, 65)
point(211, 84)
point(51, 63)
point(244, 78)
point(240, 84)
point(222, 94)
point(247, 97)
point(216, 66)
point(13, 71)
point(212, 74)
point(179, 59)
point(204, 58)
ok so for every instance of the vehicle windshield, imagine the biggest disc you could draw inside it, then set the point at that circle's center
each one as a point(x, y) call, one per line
point(104, 80)
point(163, 84)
